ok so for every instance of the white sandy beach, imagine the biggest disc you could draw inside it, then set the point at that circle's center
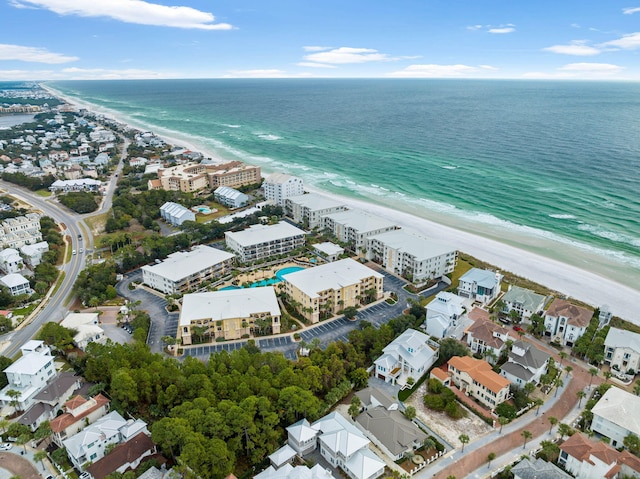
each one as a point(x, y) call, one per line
point(569, 280)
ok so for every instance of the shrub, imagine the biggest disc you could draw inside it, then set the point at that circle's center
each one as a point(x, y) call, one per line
point(506, 410)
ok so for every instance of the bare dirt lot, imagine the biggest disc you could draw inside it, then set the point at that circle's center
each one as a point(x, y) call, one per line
point(446, 427)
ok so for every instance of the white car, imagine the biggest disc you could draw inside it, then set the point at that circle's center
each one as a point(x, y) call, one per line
point(6, 446)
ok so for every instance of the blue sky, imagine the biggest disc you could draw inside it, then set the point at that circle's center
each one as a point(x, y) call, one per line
point(115, 39)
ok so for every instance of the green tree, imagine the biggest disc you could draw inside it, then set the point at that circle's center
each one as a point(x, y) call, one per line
point(526, 435)
point(449, 348)
point(360, 378)
point(464, 439)
point(40, 456)
point(564, 430)
point(410, 413)
point(490, 457)
point(581, 395)
point(354, 408)
point(538, 402)
point(529, 388)
point(632, 442)
point(593, 372)
point(552, 422)
point(59, 337)
point(503, 420)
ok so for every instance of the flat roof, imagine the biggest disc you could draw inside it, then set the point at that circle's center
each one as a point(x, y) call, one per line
point(315, 201)
point(328, 248)
point(185, 263)
point(229, 304)
point(418, 246)
point(336, 275)
point(360, 220)
point(257, 234)
point(29, 364)
point(73, 320)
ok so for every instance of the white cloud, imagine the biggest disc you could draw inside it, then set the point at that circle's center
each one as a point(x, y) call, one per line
point(576, 47)
point(345, 55)
point(575, 25)
point(315, 65)
point(439, 71)
point(502, 30)
point(131, 11)
point(630, 41)
point(315, 48)
point(630, 10)
point(591, 68)
point(82, 74)
point(32, 54)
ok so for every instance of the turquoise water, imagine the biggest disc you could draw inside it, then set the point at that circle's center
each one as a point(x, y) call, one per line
point(548, 166)
point(268, 282)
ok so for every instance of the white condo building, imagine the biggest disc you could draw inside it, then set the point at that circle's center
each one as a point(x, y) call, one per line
point(186, 270)
point(309, 209)
point(263, 241)
point(229, 314)
point(407, 253)
point(280, 186)
point(355, 226)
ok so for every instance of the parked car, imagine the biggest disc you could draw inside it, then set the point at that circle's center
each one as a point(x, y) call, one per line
point(517, 328)
point(6, 446)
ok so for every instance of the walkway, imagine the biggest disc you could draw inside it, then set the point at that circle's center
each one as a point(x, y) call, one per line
point(17, 466)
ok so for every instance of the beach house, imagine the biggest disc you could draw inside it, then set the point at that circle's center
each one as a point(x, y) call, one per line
point(480, 285)
point(616, 415)
point(476, 378)
point(411, 255)
point(78, 413)
point(622, 351)
point(487, 338)
point(332, 287)
point(443, 314)
point(525, 364)
point(410, 355)
point(229, 314)
point(265, 241)
point(186, 270)
point(524, 301)
point(565, 322)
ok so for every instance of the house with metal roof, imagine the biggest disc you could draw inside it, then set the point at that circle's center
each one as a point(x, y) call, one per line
point(616, 415)
point(480, 285)
point(526, 364)
point(176, 214)
point(524, 301)
point(538, 469)
point(410, 355)
point(443, 314)
point(225, 195)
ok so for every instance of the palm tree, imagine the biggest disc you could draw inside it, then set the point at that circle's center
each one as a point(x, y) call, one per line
point(581, 395)
point(526, 435)
point(502, 420)
point(529, 388)
point(593, 372)
point(538, 402)
point(40, 456)
point(563, 356)
point(553, 421)
point(490, 457)
point(607, 375)
point(464, 439)
point(568, 369)
point(636, 388)
point(564, 430)
point(558, 384)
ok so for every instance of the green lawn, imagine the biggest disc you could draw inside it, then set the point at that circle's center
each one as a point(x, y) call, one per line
point(43, 193)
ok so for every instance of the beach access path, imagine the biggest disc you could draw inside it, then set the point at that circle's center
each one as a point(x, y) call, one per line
point(510, 442)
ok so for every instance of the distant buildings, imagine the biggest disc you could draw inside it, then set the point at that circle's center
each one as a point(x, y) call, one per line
point(176, 214)
point(79, 184)
point(480, 285)
point(230, 197)
point(309, 209)
point(476, 378)
point(332, 286)
point(410, 355)
point(622, 350)
point(229, 314)
point(411, 255)
point(524, 301)
point(353, 227)
point(443, 312)
point(616, 415)
point(264, 241)
point(193, 177)
point(280, 186)
point(186, 270)
point(566, 322)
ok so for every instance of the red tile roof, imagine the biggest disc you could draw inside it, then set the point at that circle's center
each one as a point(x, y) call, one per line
point(480, 371)
point(65, 420)
point(123, 454)
point(577, 315)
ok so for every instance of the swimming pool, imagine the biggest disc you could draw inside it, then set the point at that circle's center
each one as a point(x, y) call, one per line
point(267, 282)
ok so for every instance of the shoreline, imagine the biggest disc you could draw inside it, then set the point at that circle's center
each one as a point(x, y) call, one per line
point(573, 281)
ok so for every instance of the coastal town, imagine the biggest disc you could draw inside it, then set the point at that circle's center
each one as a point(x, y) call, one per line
point(226, 324)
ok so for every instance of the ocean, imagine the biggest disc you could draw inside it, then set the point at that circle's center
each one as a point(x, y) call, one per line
point(550, 167)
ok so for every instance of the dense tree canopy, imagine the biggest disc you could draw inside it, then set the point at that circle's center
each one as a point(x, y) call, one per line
point(80, 201)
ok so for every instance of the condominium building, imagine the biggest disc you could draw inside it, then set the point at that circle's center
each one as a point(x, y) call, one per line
point(309, 209)
point(20, 231)
point(229, 314)
point(411, 255)
point(176, 214)
point(477, 379)
point(280, 186)
point(230, 197)
point(193, 177)
point(332, 286)
point(355, 226)
point(186, 270)
point(264, 241)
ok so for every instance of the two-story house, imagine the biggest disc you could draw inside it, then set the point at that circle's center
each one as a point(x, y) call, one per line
point(477, 379)
point(410, 355)
point(487, 338)
point(616, 415)
point(566, 322)
point(480, 285)
point(622, 350)
point(524, 301)
point(78, 413)
point(526, 364)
